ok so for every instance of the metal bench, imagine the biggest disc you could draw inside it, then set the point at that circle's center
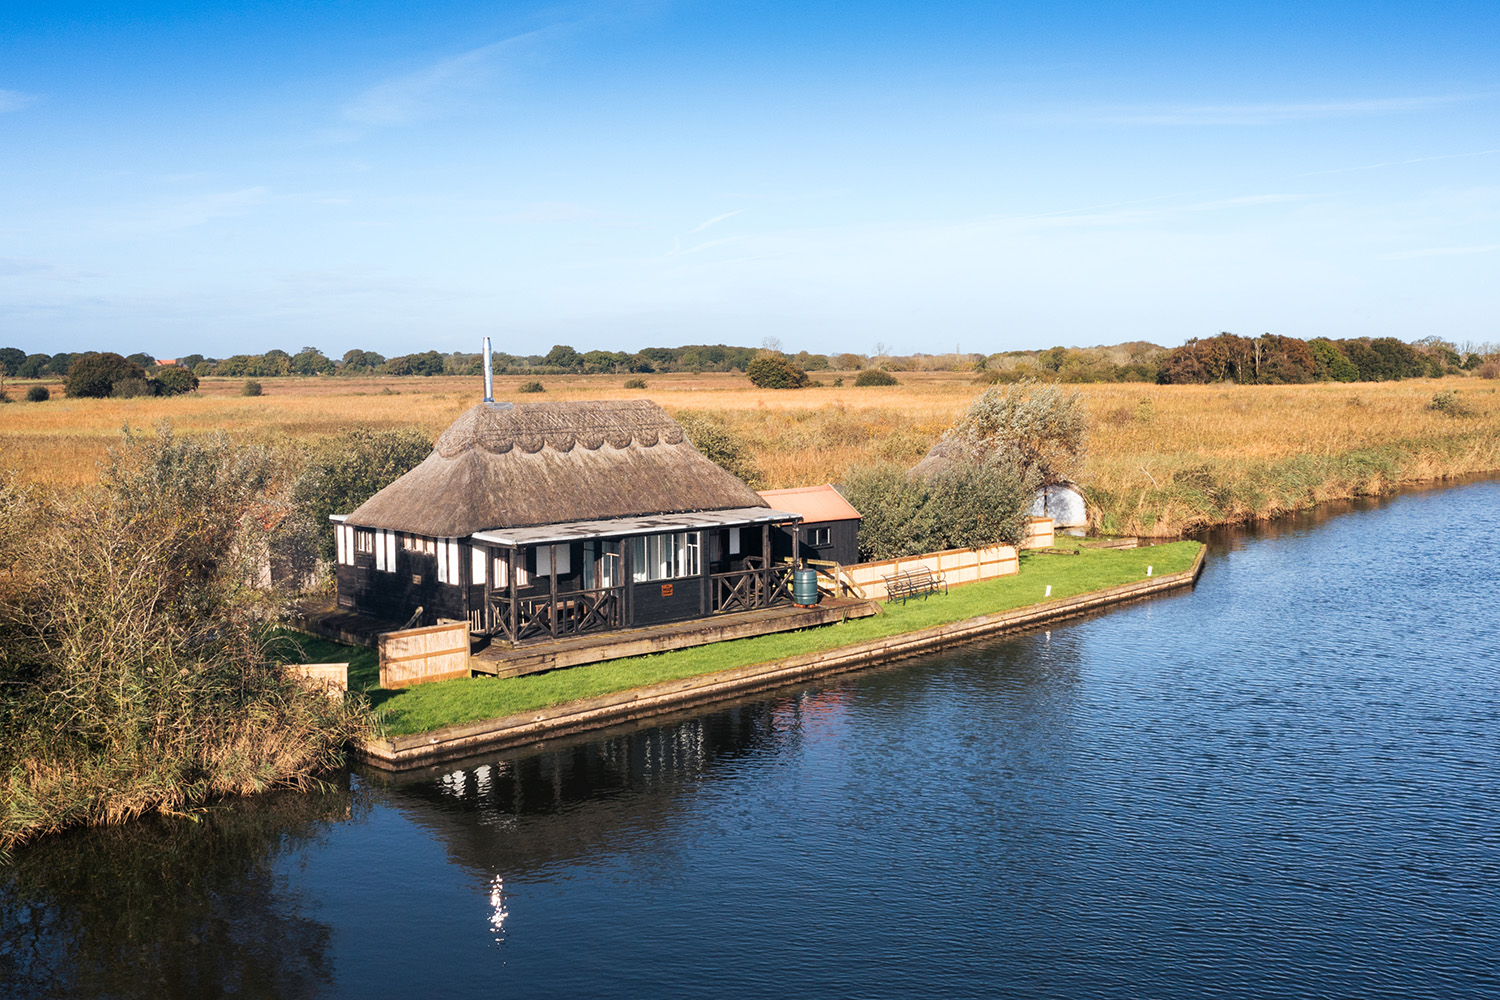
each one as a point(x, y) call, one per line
point(919, 581)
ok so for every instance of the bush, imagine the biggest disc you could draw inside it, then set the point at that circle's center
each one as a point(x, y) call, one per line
point(721, 446)
point(38, 394)
point(174, 381)
point(965, 505)
point(1038, 429)
point(250, 388)
point(149, 689)
point(93, 375)
point(773, 372)
point(130, 388)
point(635, 383)
point(1490, 369)
point(532, 386)
point(346, 471)
point(1450, 403)
point(875, 376)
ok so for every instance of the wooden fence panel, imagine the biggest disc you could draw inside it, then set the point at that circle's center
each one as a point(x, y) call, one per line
point(955, 565)
point(422, 655)
point(330, 677)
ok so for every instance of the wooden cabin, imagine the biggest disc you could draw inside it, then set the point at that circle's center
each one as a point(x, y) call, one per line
point(539, 520)
point(829, 529)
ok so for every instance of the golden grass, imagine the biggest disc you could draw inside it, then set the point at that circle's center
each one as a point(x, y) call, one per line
point(1161, 458)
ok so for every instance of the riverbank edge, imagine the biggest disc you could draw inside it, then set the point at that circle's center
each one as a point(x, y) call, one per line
point(398, 753)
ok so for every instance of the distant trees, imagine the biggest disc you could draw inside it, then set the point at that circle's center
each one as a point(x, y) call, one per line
point(175, 380)
point(95, 374)
point(11, 359)
point(1272, 360)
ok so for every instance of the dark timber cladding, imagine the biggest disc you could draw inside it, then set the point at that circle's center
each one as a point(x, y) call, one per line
point(538, 520)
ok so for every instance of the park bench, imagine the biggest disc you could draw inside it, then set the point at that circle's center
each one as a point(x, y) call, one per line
point(919, 581)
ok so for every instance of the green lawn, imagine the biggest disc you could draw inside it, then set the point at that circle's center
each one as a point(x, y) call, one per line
point(430, 706)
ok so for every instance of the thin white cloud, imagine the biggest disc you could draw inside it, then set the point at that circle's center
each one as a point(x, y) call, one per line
point(434, 90)
point(1442, 252)
point(714, 221)
point(11, 267)
point(1402, 163)
point(1250, 113)
point(14, 100)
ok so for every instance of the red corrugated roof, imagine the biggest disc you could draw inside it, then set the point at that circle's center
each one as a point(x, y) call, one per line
point(814, 503)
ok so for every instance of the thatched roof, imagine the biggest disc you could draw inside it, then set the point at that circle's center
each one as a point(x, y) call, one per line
point(502, 466)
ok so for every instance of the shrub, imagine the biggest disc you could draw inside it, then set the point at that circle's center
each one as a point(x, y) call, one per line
point(345, 471)
point(1490, 369)
point(93, 375)
point(174, 381)
point(965, 505)
point(129, 388)
point(875, 376)
point(774, 372)
point(250, 388)
point(38, 394)
point(1449, 402)
point(149, 689)
point(532, 386)
point(635, 383)
point(721, 446)
point(1039, 429)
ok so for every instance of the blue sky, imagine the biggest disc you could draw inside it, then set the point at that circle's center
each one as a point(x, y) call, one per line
point(227, 178)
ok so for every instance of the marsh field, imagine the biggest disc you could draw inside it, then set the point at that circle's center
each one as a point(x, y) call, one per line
point(1162, 460)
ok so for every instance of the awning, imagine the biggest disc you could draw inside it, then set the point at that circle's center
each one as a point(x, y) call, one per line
point(620, 527)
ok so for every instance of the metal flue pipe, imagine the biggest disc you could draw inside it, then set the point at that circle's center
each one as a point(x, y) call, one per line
point(489, 374)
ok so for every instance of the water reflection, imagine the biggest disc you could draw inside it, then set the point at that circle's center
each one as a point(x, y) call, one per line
point(169, 908)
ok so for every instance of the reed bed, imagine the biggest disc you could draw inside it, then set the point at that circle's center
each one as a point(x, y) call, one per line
point(1162, 460)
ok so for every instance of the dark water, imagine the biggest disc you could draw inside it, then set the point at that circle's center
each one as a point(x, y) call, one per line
point(1284, 784)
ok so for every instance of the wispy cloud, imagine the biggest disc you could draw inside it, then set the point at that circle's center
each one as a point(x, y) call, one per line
point(14, 100)
point(1402, 163)
point(714, 221)
point(435, 89)
point(11, 267)
point(1249, 113)
point(1442, 252)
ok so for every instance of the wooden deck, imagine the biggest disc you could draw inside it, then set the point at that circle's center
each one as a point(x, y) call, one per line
point(501, 660)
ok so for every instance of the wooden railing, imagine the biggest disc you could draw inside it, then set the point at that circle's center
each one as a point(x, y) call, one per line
point(542, 616)
point(757, 586)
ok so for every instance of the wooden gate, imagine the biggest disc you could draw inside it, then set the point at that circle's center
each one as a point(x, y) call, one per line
point(420, 655)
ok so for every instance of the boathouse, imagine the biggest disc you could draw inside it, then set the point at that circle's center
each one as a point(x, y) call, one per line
point(829, 530)
point(537, 520)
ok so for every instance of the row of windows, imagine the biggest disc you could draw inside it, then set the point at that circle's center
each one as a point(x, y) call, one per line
point(652, 557)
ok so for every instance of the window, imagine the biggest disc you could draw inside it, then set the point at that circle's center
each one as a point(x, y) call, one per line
point(476, 566)
point(665, 557)
point(601, 565)
point(734, 541)
point(818, 536)
point(549, 556)
point(364, 542)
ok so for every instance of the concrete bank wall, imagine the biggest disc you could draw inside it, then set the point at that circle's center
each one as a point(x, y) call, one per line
point(419, 749)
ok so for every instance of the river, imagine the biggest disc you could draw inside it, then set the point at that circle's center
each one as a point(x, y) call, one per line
point(1285, 783)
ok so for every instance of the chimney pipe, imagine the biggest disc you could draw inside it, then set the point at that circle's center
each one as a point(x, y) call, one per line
point(489, 374)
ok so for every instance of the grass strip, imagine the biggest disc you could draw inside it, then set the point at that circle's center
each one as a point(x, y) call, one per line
point(432, 706)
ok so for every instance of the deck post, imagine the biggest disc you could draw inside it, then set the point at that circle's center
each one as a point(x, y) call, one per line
point(765, 562)
point(703, 567)
point(552, 585)
point(796, 544)
point(515, 610)
point(627, 584)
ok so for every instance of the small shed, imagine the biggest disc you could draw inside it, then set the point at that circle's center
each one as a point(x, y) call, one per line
point(830, 525)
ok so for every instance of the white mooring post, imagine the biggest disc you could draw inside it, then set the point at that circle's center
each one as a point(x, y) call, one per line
point(1049, 591)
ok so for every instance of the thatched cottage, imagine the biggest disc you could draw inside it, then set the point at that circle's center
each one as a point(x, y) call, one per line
point(537, 520)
